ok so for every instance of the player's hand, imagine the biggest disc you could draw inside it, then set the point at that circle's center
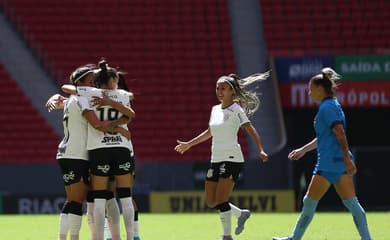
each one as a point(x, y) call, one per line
point(350, 167)
point(182, 147)
point(296, 154)
point(101, 101)
point(264, 156)
point(106, 126)
point(55, 102)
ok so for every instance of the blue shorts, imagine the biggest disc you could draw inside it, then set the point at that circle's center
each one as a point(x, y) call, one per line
point(332, 177)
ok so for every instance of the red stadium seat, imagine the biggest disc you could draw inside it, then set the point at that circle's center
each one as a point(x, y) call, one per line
point(359, 25)
point(172, 50)
point(25, 135)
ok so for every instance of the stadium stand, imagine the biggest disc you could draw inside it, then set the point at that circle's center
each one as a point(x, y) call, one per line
point(173, 53)
point(304, 26)
point(173, 66)
point(25, 136)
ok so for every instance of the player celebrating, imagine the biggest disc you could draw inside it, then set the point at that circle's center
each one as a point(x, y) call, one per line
point(72, 154)
point(109, 153)
point(226, 158)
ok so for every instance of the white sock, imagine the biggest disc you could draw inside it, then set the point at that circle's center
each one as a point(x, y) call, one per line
point(91, 222)
point(64, 226)
point(74, 225)
point(226, 220)
point(98, 216)
point(113, 217)
point(107, 231)
point(136, 229)
point(235, 210)
point(128, 216)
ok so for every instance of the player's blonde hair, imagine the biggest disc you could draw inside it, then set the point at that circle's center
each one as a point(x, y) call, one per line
point(328, 79)
point(248, 100)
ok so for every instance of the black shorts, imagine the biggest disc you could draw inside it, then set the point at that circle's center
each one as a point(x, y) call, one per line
point(224, 170)
point(111, 161)
point(73, 170)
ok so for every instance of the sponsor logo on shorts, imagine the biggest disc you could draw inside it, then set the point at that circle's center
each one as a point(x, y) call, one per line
point(104, 168)
point(125, 166)
point(222, 169)
point(210, 173)
point(69, 176)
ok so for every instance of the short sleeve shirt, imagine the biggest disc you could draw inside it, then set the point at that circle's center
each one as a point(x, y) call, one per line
point(329, 154)
point(224, 125)
point(73, 145)
point(98, 139)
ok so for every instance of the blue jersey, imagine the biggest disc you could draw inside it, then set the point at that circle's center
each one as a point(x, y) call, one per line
point(329, 154)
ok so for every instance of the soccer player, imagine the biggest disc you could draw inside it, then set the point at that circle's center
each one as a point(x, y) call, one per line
point(122, 85)
point(72, 155)
point(226, 158)
point(335, 165)
point(110, 153)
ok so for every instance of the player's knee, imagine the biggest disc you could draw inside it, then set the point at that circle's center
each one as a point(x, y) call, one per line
point(76, 208)
point(102, 194)
point(123, 192)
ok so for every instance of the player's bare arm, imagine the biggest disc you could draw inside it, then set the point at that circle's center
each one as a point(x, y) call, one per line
point(248, 127)
point(182, 147)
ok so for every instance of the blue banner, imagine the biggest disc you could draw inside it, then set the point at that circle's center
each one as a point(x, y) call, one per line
point(300, 69)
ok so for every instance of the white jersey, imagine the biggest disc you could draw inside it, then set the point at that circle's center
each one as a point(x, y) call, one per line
point(73, 145)
point(98, 139)
point(224, 125)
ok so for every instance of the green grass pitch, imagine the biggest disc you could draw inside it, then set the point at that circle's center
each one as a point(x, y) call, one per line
point(325, 226)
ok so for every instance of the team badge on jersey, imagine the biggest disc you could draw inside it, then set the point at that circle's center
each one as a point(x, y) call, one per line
point(226, 116)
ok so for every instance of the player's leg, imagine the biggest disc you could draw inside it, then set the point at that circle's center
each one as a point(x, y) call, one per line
point(242, 215)
point(90, 218)
point(75, 209)
point(346, 190)
point(78, 192)
point(100, 169)
point(112, 223)
point(210, 186)
point(124, 183)
point(318, 186)
point(223, 192)
point(100, 196)
point(228, 175)
point(63, 223)
point(63, 227)
point(136, 223)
